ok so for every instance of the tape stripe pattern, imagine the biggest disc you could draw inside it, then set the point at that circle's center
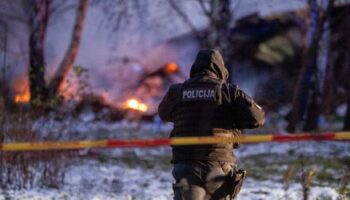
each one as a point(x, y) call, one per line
point(114, 143)
point(137, 143)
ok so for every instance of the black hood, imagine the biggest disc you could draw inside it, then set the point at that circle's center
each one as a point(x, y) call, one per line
point(209, 63)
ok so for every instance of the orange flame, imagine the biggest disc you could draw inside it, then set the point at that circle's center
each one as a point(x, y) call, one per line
point(22, 97)
point(171, 68)
point(135, 105)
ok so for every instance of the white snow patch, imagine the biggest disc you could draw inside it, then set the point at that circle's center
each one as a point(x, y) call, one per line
point(255, 190)
point(315, 148)
point(92, 180)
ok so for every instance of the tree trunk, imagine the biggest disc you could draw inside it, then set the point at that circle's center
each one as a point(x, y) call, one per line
point(218, 34)
point(38, 24)
point(219, 24)
point(344, 27)
point(7, 100)
point(347, 84)
point(328, 94)
point(219, 30)
point(306, 95)
point(69, 58)
point(347, 116)
point(321, 67)
point(313, 112)
point(302, 94)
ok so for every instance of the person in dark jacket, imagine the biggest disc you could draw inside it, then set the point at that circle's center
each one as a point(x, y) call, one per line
point(207, 105)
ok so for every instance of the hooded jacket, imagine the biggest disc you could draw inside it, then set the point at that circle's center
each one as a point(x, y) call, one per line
point(206, 105)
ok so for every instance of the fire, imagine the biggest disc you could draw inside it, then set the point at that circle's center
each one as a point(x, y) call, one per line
point(23, 97)
point(136, 105)
point(171, 68)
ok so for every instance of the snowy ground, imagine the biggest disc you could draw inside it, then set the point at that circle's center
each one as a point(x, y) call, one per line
point(124, 174)
point(94, 181)
point(91, 179)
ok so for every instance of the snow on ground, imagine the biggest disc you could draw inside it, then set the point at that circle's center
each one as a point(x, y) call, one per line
point(315, 148)
point(93, 179)
point(80, 128)
point(258, 190)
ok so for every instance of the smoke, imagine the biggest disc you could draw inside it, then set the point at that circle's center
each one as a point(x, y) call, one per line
point(116, 57)
point(14, 57)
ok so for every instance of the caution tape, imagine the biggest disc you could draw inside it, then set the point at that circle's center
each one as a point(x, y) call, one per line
point(113, 143)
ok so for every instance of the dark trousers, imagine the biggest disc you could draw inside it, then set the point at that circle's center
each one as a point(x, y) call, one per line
point(199, 180)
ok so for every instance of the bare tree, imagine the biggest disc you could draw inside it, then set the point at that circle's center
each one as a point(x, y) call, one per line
point(3, 83)
point(38, 22)
point(342, 60)
point(306, 101)
point(336, 85)
point(220, 21)
point(68, 60)
point(347, 115)
point(36, 16)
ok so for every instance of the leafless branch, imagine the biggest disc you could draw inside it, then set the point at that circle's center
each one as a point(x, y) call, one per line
point(120, 15)
point(185, 19)
point(212, 6)
point(205, 10)
point(116, 12)
point(71, 53)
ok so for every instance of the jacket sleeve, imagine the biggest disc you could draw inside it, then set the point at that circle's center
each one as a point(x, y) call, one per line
point(247, 114)
point(168, 103)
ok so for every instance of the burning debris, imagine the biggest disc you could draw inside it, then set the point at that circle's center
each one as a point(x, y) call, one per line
point(171, 68)
point(166, 72)
point(135, 105)
point(21, 98)
point(19, 90)
point(137, 102)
